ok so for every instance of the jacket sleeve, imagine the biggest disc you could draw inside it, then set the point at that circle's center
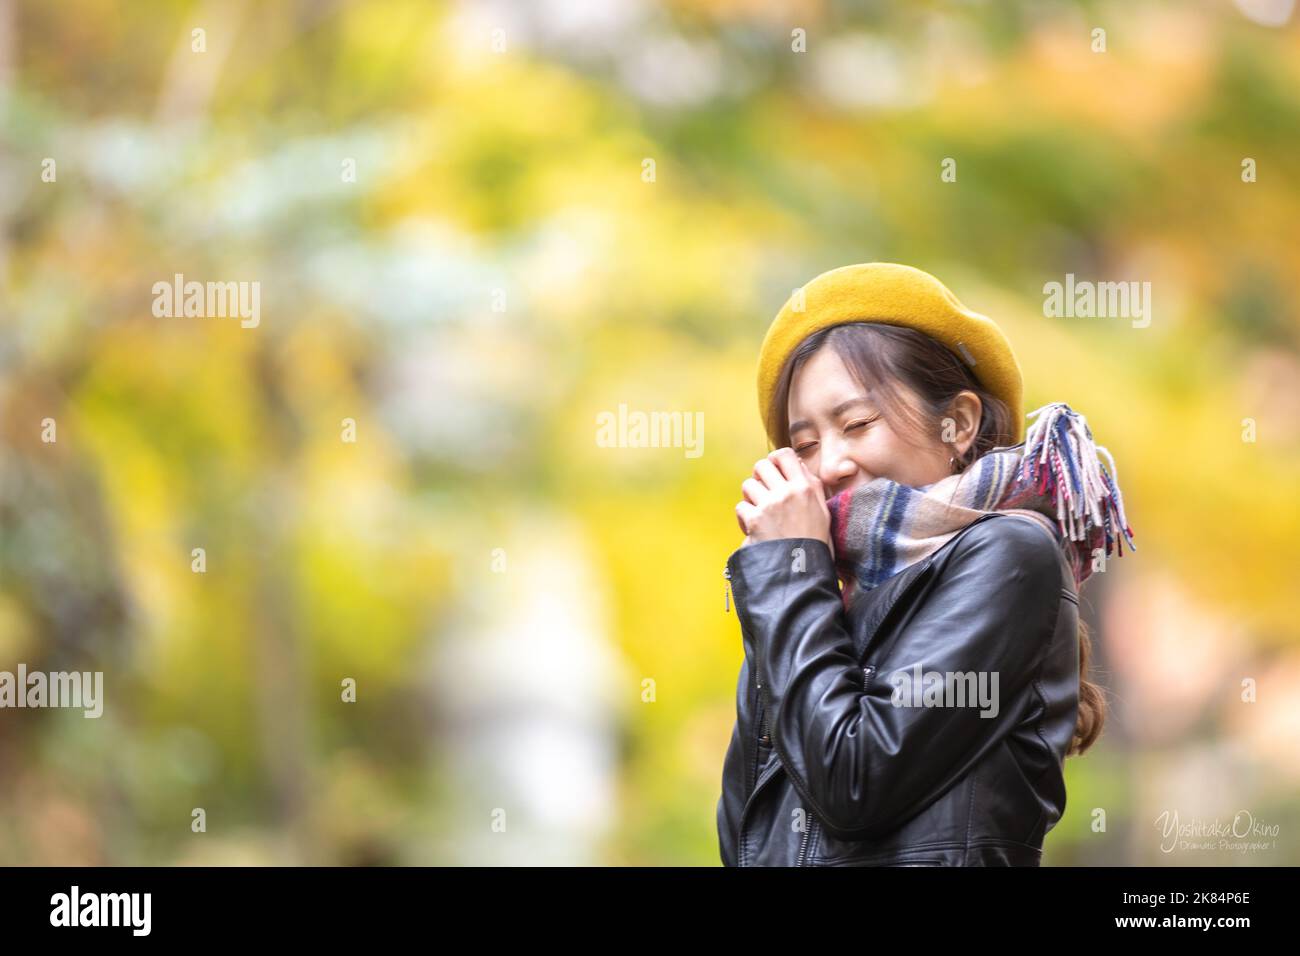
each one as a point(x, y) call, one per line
point(862, 762)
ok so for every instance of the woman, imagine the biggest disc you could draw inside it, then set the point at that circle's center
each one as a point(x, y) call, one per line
point(915, 667)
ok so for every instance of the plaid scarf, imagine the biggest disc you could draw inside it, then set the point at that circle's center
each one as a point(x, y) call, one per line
point(1054, 476)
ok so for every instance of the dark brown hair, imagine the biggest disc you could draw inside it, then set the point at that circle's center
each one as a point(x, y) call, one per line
point(882, 357)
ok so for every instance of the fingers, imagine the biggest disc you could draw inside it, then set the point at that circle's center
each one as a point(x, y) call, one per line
point(767, 472)
point(789, 464)
point(755, 491)
point(781, 476)
point(809, 475)
point(745, 515)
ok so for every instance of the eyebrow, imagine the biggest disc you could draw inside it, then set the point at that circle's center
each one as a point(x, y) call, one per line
point(836, 412)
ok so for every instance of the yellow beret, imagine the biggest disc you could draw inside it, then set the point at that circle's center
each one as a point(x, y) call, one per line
point(895, 295)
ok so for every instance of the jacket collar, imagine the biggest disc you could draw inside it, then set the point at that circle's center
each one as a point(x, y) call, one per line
point(873, 607)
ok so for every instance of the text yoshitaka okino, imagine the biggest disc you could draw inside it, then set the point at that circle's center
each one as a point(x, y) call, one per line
point(56, 689)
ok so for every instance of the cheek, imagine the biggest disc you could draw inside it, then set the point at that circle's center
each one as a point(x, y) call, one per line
point(878, 450)
point(884, 453)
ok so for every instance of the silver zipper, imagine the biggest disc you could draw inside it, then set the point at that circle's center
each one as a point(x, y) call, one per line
point(764, 734)
point(807, 834)
point(726, 573)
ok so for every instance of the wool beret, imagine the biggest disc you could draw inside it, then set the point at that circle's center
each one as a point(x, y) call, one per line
point(895, 295)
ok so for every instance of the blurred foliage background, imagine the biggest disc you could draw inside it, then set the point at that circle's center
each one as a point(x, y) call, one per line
point(536, 624)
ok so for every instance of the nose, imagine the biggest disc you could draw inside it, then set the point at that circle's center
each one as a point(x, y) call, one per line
point(836, 470)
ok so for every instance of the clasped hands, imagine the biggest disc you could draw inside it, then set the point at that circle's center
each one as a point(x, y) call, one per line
point(783, 499)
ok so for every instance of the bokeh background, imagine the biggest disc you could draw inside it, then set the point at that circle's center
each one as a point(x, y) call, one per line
point(558, 208)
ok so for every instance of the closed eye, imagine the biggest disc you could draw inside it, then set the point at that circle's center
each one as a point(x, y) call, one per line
point(852, 426)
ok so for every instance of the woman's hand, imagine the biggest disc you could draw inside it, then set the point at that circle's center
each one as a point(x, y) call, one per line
point(783, 500)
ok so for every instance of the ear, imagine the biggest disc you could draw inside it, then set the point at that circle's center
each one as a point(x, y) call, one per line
point(966, 411)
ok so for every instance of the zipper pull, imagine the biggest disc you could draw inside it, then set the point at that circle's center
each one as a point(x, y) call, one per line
point(726, 573)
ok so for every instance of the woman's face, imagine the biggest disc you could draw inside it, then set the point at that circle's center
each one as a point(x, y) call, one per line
point(838, 431)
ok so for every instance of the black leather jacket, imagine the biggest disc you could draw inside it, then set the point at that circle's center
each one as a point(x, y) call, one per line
point(824, 769)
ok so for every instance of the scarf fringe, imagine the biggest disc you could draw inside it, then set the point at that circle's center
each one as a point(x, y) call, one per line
point(1062, 461)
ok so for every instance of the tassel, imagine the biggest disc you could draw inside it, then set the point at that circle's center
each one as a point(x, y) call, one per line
point(1062, 462)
